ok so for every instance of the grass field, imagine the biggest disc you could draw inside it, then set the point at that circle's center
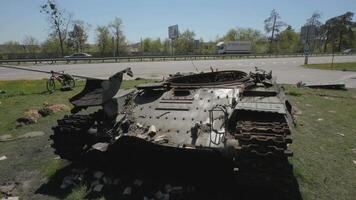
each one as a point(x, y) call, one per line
point(323, 140)
point(347, 66)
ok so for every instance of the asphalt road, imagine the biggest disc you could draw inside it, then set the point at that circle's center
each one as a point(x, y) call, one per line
point(287, 70)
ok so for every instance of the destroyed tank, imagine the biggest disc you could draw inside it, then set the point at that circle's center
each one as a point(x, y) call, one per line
point(235, 117)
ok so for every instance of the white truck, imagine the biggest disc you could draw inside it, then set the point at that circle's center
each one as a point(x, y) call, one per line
point(234, 47)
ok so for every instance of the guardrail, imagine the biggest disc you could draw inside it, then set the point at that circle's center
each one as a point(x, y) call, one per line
point(163, 58)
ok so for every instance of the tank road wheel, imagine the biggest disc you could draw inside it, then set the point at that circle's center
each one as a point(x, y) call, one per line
point(69, 82)
point(51, 86)
point(71, 139)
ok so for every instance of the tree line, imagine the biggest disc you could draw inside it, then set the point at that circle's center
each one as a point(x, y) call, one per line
point(70, 35)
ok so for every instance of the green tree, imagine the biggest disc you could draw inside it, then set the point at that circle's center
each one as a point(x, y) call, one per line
point(313, 23)
point(116, 28)
point(288, 41)
point(31, 45)
point(273, 26)
point(257, 39)
point(58, 21)
point(338, 31)
point(151, 46)
point(13, 47)
point(185, 43)
point(104, 40)
point(166, 47)
point(51, 46)
point(206, 47)
point(231, 35)
point(78, 36)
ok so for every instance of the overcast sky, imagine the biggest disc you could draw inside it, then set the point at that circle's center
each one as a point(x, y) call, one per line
point(151, 18)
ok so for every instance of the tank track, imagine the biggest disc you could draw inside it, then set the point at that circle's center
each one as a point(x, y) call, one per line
point(70, 137)
point(264, 139)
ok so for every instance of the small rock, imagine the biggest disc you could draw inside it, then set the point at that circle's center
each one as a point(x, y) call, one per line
point(45, 111)
point(138, 182)
point(6, 137)
point(98, 188)
point(3, 158)
point(10, 198)
point(353, 150)
point(68, 181)
point(343, 135)
point(32, 134)
point(354, 161)
point(127, 191)
point(320, 119)
point(26, 121)
point(6, 189)
point(98, 174)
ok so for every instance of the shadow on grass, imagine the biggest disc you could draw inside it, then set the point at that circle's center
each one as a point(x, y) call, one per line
point(206, 186)
point(52, 187)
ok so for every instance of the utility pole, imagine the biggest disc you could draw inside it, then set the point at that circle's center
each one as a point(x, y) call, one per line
point(332, 57)
point(306, 47)
point(113, 49)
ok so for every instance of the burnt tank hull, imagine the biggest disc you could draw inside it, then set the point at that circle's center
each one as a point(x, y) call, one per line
point(202, 119)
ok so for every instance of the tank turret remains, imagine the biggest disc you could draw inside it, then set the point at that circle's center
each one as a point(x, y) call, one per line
point(194, 121)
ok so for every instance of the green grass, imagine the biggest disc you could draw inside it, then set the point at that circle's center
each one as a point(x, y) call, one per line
point(323, 139)
point(347, 66)
point(22, 95)
point(323, 157)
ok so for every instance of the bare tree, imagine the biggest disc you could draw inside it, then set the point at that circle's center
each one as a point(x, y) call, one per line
point(116, 27)
point(314, 19)
point(58, 20)
point(31, 45)
point(313, 29)
point(273, 25)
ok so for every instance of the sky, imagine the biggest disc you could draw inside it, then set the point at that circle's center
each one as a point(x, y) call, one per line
point(151, 18)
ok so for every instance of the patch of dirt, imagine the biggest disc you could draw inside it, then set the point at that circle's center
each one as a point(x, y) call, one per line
point(31, 116)
point(58, 107)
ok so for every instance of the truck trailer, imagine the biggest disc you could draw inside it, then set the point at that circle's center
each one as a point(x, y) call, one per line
point(233, 47)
